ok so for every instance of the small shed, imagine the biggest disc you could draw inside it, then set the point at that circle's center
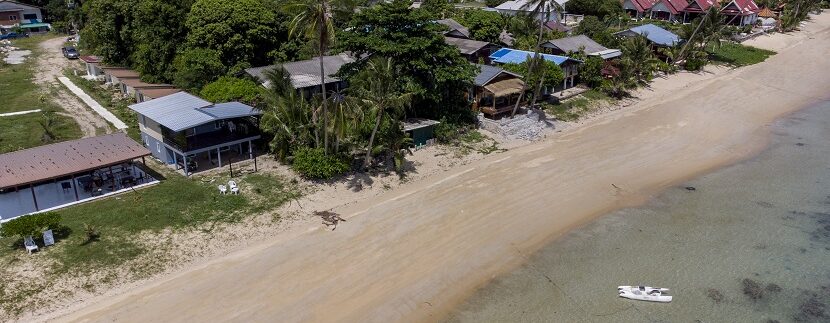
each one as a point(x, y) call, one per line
point(422, 131)
point(93, 67)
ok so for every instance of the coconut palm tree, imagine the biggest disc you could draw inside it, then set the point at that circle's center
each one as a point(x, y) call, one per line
point(345, 118)
point(541, 10)
point(376, 88)
point(286, 115)
point(313, 19)
point(643, 61)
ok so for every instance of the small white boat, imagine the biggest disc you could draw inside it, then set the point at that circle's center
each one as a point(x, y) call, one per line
point(644, 293)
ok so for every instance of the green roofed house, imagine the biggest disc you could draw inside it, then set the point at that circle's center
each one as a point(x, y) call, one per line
point(14, 14)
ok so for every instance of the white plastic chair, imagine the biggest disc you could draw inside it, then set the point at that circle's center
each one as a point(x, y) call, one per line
point(223, 189)
point(232, 184)
point(30, 244)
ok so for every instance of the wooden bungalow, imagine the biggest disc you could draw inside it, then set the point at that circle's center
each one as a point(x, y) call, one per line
point(496, 90)
point(740, 12)
point(473, 50)
point(669, 10)
point(697, 8)
point(637, 8)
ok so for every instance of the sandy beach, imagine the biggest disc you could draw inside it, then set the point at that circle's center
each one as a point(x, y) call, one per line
point(413, 253)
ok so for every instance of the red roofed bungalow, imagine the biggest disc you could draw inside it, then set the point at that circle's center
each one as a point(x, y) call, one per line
point(637, 8)
point(740, 12)
point(697, 8)
point(670, 10)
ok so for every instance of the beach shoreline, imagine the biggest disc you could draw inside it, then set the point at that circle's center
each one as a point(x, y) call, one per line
point(419, 297)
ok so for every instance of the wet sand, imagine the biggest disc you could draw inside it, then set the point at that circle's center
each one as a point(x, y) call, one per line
point(414, 254)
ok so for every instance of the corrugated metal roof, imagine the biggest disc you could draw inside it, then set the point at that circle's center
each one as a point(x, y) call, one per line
point(157, 93)
point(180, 111)
point(455, 27)
point(120, 72)
point(487, 73)
point(654, 34)
point(47, 162)
point(466, 46)
point(575, 44)
point(306, 73)
point(509, 55)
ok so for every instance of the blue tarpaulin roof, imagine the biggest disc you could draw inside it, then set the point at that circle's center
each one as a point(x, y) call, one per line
point(509, 55)
point(183, 110)
point(654, 34)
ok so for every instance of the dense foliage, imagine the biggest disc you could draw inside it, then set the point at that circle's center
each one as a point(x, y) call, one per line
point(227, 89)
point(315, 164)
point(483, 25)
point(598, 8)
point(31, 225)
point(548, 76)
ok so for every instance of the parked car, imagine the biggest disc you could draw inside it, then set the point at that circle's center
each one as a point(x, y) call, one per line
point(70, 52)
point(9, 36)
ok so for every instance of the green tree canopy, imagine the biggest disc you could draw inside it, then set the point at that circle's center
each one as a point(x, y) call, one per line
point(227, 89)
point(483, 25)
point(108, 31)
point(433, 70)
point(156, 44)
point(598, 8)
point(195, 67)
point(551, 74)
point(243, 32)
point(592, 27)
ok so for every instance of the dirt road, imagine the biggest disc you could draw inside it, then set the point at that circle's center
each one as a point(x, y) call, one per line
point(50, 65)
point(413, 253)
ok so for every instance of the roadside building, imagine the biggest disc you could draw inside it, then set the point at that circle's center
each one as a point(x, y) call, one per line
point(14, 14)
point(114, 76)
point(66, 173)
point(94, 71)
point(142, 95)
point(131, 87)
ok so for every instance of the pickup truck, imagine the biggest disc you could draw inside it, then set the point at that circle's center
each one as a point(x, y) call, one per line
point(70, 52)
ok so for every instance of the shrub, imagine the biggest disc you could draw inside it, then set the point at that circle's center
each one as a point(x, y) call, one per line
point(91, 232)
point(694, 64)
point(227, 89)
point(494, 3)
point(314, 163)
point(31, 225)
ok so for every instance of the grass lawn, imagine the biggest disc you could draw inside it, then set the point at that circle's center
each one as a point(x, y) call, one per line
point(20, 93)
point(739, 55)
point(111, 100)
point(573, 108)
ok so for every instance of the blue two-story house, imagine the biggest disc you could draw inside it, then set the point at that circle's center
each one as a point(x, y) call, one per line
point(193, 134)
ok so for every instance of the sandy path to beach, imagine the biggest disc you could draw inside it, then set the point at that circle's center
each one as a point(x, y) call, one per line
point(413, 253)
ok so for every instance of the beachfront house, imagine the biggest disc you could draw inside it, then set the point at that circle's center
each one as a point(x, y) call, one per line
point(741, 12)
point(526, 8)
point(473, 50)
point(569, 66)
point(496, 91)
point(657, 36)
point(697, 8)
point(305, 75)
point(192, 134)
point(637, 8)
point(53, 176)
point(454, 29)
point(579, 44)
point(14, 15)
point(668, 10)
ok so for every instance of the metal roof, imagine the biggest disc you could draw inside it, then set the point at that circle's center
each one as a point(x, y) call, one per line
point(525, 5)
point(487, 73)
point(509, 55)
point(466, 46)
point(33, 165)
point(575, 44)
point(418, 123)
point(654, 34)
point(154, 93)
point(182, 110)
point(120, 72)
point(306, 73)
point(607, 54)
point(455, 27)
point(139, 84)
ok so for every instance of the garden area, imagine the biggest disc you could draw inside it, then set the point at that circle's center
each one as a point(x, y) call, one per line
point(735, 54)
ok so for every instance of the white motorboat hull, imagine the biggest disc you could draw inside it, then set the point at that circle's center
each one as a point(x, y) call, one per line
point(647, 288)
point(645, 297)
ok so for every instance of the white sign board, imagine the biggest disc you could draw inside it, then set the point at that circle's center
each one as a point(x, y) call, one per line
point(48, 238)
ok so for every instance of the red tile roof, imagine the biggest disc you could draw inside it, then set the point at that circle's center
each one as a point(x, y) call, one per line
point(674, 6)
point(643, 5)
point(742, 7)
point(47, 162)
point(699, 6)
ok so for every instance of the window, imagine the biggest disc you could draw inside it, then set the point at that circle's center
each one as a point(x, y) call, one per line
point(190, 132)
point(12, 18)
point(29, 16)
point(219, 124)
point(158, 147)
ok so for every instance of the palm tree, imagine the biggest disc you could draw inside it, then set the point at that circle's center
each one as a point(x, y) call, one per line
point(541, 11)
point(376, 88)
point(313, 18)
point(345, 118)
point(286, 115)
point(642, 64)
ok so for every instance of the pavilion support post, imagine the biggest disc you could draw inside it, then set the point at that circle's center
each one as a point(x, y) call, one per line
point(184, 158)
point(219, 156)
point(142, 161)
point(75, 187)
point(112, 176)
point(250, 149)
point(175, 161)
point(34, 198)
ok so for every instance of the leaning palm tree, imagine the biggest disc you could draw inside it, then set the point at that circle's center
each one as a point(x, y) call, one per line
point(313, 19)
point(541, 11)
point(376, 87)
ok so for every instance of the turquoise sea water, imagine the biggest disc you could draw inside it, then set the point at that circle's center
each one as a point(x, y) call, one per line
point(751, 243)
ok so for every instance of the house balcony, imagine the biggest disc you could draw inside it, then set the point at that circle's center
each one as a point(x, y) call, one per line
point(209, 140)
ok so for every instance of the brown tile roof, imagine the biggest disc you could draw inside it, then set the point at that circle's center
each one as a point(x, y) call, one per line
point(766, 13)
point(91, 59)
point(48, 162)
point(120, 72)
point(138, 84)
point(157, 93)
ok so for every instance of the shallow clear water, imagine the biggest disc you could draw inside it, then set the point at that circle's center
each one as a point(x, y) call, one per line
point(766, 219)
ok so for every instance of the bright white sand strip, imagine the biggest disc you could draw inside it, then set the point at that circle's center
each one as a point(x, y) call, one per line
point(117, 123)
point(18, 113)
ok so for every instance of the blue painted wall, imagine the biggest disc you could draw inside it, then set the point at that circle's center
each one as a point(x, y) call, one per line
point(152, 143)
